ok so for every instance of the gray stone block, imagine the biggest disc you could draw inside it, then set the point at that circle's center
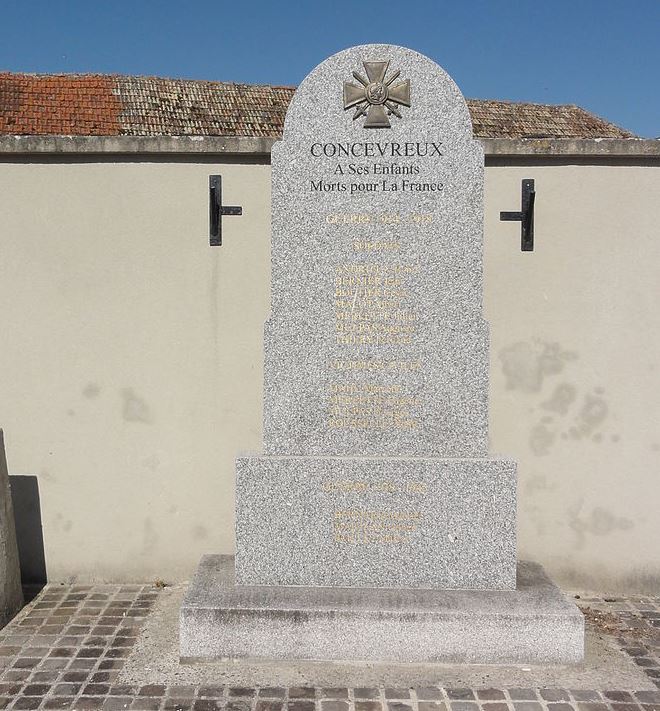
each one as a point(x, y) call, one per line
point(533, 624)
point(427, 399)
point(11, 593)
point(334, 521)
point(375, 469)
point(376, 344)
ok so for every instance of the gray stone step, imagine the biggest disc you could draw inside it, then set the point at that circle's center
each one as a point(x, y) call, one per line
point(533, 624)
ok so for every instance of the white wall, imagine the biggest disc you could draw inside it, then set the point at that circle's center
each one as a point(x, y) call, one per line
point(575, 362)
point(132, 357)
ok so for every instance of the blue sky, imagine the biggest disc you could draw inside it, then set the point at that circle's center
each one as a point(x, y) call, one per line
point(603, 55)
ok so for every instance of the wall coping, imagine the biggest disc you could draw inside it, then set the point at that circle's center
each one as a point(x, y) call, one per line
point(261, 146)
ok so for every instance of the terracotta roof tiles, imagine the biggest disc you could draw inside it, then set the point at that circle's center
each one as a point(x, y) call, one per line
point(99, 105)
point(58, 105)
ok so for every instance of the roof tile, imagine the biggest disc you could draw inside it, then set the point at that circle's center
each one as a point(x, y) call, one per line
point(98, 105)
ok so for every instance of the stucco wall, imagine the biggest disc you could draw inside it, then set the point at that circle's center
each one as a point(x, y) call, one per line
point(132, 357)
point(575, 364)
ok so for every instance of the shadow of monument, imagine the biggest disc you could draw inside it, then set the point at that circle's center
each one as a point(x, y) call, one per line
point(29, 533)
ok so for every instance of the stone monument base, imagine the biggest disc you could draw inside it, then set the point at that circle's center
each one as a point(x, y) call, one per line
point(533, 624)
point(376, 522)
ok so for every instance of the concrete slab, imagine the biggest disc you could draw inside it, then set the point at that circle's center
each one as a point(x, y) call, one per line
point(533, 624)
point(154, 659)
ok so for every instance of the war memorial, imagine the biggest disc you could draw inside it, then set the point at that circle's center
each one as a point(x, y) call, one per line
point(375, 524)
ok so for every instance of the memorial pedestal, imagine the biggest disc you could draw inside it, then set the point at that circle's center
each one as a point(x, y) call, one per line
point(533, 624)
point(376, 522)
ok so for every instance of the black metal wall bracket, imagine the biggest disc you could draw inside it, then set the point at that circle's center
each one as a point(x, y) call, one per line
point(217, 210)
point(525, 216)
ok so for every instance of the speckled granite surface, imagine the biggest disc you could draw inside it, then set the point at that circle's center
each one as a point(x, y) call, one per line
point(419, 523)
point(375, 468)
point(376, 345)
point(532, 624)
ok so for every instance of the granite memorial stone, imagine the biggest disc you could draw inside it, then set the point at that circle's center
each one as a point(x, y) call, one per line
point(376, 469)
point(375, 524)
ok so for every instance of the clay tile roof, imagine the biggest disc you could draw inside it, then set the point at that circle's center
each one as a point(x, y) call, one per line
point(505, 119)
point(96, 105)
point(59, 105)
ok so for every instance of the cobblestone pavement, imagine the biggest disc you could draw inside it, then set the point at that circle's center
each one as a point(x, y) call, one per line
point(66, 650)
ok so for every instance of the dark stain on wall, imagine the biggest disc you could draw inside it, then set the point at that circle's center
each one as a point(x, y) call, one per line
point(199, 533)
point(62, 524)
point(91, 390)
point(541, 439)
point(561, 399)
point(600, 522)
point(527, 364)
point(135, 409)
point(150, 537)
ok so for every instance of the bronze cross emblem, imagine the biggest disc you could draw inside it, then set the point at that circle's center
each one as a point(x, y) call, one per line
point(376, 94)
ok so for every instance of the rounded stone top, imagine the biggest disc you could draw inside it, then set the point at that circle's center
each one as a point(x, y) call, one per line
point(376, 92)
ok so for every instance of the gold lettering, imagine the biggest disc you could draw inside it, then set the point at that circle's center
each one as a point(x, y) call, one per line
point(362, 526)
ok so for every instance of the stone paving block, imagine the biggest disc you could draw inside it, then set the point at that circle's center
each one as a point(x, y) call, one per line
point(302, 692)
point(334, 693)
point(397, 693)
point(216, 692)
point(460, 694)
point(269, 705)
point(431, 706)
point(522, 694)
point(241, 691)
point(27, 702)
point(90, 703)
point(617, 695)
point(180, 691)
point(237, 704)
point(368, 706)
point(272, 692)
point(301, 705)
point(61, 702)
point(554, 694)
point(147, 703)
point(428, 693)
point(490, 695)
point(120, 703)
point(334, 705)
point(527, 706)
point(648, 697)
